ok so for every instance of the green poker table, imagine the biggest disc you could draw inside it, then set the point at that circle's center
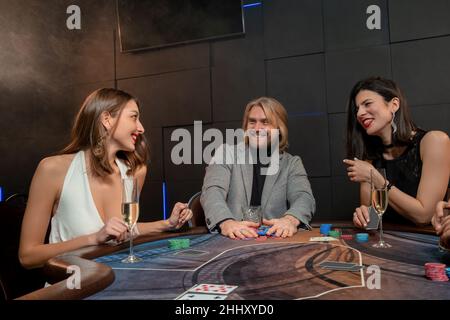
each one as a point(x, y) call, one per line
point(271, 269)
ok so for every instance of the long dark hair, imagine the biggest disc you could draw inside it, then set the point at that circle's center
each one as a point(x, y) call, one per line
point(359, 143)
point(89, 133)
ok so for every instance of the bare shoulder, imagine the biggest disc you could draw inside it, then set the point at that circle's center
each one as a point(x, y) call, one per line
point(55, 166)
point(435, 146)
point(435, 139)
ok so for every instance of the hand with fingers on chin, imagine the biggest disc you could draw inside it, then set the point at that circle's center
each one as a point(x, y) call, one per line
point(282, 227)
point(359, 170)
point(239, 229)
point(180, 214)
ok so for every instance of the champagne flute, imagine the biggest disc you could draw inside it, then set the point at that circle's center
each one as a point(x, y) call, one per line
point(379, 199)
point(130, 212)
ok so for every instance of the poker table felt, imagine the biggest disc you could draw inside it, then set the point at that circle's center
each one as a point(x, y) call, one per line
point(281, 269)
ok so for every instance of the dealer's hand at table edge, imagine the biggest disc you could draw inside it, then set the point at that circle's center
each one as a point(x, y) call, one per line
point(238, 229)
point(282, 227)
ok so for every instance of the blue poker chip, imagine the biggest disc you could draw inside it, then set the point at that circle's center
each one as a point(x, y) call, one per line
point(325, 228)
point(362, 235)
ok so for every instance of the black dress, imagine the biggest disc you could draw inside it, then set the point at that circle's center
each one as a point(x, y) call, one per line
point(404, 173)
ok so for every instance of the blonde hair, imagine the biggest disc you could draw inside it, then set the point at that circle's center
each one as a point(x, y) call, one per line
point(276, 115)
point(89, 133)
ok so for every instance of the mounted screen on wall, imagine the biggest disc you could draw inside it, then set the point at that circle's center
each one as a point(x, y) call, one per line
point(147, 24)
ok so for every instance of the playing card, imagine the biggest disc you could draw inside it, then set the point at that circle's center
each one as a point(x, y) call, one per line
point(201, 296)
point(335, 265)
point(212, 288)
point(374, 219)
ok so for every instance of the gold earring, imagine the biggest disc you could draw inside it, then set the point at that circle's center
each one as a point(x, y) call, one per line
point(99, 148)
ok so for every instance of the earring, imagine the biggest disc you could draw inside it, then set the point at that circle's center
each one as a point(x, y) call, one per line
point(394, 126)
point(99, 148)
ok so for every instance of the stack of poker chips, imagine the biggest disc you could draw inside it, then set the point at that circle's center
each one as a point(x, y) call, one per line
point(262, 230)
point(334, 233)
point(448, 272)
point(325, 228)
point(347, 237)
point(362, 237)
point(435, 271)
point(179, 244)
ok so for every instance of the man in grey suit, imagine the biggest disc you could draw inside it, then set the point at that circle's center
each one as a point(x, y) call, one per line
point(284, 194)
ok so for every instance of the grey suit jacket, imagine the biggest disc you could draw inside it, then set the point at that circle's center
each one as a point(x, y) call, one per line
point(227, 190)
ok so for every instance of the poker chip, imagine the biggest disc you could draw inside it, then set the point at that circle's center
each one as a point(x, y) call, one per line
point(262, 230)
point(177, 244)
point(347, 237)
point(261, 238)
point(325, 228)
point(334, 233)
point(436, 271)
point(362, 237)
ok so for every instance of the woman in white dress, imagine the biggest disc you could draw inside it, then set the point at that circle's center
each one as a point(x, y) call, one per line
point(79, 191)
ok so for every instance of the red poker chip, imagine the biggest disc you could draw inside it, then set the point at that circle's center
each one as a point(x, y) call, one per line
point(435, 271)
point(434, 265)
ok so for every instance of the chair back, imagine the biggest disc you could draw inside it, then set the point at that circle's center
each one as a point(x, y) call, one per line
point(198, 218)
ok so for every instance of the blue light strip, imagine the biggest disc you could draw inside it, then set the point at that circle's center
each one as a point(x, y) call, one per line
point(251, 5)
point(1, 194)
point(164, 201)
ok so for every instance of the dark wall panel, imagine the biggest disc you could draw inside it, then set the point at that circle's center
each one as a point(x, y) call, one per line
point(238, 72)
point(415, 19)
point(345, 198)
point(181, 191)
point(173, 98)
point(312, 148)
point(292, 27)
point(422, 70)
point(42, 52)
point(183, 172)
point(345, 68)
point(298, 83)
point(41, 131)
point(432, 117)
point(338, 126)
point(346, 27)
point(151, 62)
point(321, 188)
point(150, 201)
point(55, 111)
point(155, 169)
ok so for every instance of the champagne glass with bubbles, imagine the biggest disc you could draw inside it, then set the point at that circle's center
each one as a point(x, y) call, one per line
point(130, 212)
point(379, 199)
